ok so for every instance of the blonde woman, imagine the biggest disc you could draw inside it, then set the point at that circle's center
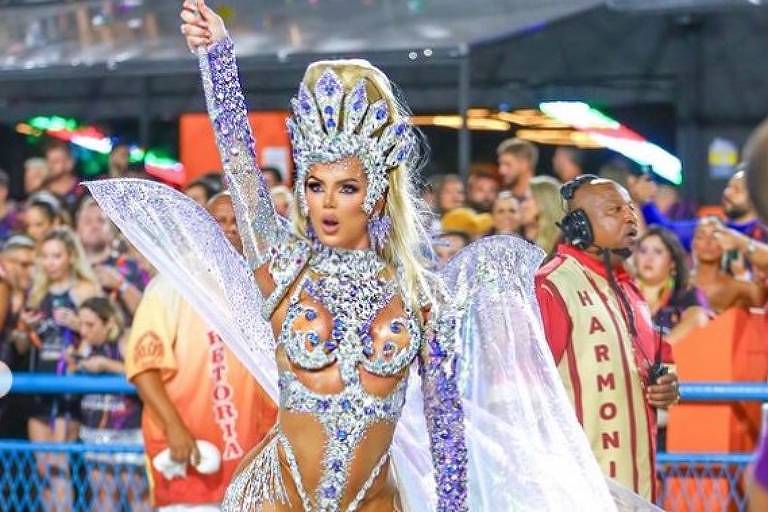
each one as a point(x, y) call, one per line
point(63, 281)
point(344, 297)
point(545, 210)
point(506, 214)
point(356, 315)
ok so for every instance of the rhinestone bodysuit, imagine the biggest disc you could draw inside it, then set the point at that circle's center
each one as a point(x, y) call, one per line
point(352, 288)
point(349, 285)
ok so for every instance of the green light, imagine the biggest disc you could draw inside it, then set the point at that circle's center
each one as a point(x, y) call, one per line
point(53, 123)
point(136, 155)
point(157, 160)
point(611, 134)
point(578, 114)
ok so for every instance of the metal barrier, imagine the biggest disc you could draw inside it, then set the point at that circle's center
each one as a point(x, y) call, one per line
point(708, 481)
point(74, 476)
point(702, 481)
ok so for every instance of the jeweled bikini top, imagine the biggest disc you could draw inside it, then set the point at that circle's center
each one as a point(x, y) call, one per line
point(353, 288)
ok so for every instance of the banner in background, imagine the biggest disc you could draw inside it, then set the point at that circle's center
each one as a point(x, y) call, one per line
point(197, 147)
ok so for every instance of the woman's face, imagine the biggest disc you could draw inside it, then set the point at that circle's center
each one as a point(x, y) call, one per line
point(92, 329)
point(705, 247)
point(38, 223)
point(451, 195)
point(55, 260)
point(653, 261)
point(506, 215)
point(335, 193)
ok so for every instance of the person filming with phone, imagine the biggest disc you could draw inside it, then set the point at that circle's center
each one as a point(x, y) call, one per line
point(720, 270)
point(614, 365)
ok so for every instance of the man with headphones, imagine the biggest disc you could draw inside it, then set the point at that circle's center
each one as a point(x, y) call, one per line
point(613, 365)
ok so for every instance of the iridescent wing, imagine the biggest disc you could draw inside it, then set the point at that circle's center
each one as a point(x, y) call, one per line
point(185, 244)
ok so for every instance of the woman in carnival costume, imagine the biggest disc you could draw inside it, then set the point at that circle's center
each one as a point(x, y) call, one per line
point(399, 389)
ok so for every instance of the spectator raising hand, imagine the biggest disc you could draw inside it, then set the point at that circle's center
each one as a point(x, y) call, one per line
point(723, 290)
point(754, 251)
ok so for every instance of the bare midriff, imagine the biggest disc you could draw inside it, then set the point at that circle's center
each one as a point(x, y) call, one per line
point(308, 437)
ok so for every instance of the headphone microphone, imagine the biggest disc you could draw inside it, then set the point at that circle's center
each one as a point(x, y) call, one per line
point(575, 225)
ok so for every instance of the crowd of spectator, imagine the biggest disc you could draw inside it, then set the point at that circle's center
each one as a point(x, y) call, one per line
point(689, 269)
point(69, 288)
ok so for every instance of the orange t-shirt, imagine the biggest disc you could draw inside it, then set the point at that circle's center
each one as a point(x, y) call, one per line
point(216, 397)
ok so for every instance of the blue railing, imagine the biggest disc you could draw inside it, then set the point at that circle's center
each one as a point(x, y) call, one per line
point(38, 476)
point(36, 383)
point(28, 383)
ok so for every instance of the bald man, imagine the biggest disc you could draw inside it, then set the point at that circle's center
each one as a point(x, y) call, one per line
point(599, 330)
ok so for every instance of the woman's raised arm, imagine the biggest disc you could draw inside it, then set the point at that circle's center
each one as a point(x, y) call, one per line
point(257, 221)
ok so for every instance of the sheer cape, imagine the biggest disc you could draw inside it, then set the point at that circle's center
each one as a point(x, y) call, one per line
point(526, 448)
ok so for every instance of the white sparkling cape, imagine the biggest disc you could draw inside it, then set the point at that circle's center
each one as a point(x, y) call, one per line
point(527, 451)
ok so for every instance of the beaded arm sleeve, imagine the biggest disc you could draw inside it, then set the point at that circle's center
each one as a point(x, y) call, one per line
point(257, 221)
point(444, 413)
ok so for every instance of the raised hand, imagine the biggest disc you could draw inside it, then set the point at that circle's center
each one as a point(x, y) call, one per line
point(728, 239)
point(201, 25)
point(66, 317)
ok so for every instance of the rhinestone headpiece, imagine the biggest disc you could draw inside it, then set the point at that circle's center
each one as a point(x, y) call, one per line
point(334, 124)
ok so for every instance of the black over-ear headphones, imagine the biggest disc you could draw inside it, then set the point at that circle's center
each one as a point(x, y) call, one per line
point(575, 225)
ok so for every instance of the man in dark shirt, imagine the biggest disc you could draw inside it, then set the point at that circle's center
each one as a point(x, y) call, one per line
point(62, 179)
point(120, 276)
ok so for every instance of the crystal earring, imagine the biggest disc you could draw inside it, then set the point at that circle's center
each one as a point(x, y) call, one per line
point(379, 227)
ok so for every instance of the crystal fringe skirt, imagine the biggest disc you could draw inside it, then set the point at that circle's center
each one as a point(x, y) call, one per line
point(260, 482)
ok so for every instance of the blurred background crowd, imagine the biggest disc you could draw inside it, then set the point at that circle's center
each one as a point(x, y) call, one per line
point(69, 283)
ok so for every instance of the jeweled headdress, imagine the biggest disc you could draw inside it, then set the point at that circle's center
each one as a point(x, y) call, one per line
point(334, 124)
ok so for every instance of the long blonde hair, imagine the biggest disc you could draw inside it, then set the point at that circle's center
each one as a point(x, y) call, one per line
point(408, 238)
point(79, 266)
point(546, 193)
